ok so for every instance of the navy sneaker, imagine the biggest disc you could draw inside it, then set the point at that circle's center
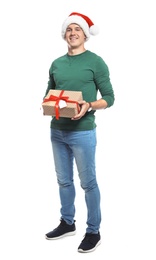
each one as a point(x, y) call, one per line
point(61, 231)
point(89, 243)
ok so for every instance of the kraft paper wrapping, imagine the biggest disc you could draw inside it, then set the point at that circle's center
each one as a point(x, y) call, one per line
point(51, 107)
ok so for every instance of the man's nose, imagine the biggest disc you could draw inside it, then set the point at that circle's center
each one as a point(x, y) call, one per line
point(72, 31)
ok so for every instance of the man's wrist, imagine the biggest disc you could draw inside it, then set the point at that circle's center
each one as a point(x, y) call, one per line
point(90, 106)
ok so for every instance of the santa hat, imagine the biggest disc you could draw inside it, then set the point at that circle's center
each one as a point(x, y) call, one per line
point(83, 21)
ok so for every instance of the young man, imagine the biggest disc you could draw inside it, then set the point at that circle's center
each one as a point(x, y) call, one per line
point(75, 138)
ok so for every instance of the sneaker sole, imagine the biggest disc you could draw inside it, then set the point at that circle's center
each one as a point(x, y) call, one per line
point(72, 233)
point(80, 250)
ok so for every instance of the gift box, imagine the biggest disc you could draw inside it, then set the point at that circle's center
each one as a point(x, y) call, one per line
point(62, 103)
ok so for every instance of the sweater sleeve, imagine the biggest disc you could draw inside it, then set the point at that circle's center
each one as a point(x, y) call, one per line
point(102, 81)
point(51, 82)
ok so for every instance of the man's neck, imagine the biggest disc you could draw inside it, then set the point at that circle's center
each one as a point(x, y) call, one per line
point(75, 51)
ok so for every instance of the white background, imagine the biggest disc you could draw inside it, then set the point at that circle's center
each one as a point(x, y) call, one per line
point(30, 40)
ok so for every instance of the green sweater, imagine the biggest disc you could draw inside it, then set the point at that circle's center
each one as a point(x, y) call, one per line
point(86, 72)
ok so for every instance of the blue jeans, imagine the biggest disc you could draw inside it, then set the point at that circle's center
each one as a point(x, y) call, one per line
point(81, 146)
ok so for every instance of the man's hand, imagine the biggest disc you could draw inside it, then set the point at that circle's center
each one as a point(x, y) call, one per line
point(84, 108)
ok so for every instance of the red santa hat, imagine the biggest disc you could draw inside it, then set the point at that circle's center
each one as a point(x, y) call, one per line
point(83, 21)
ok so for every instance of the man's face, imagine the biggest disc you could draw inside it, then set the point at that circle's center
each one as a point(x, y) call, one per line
point(74, 35)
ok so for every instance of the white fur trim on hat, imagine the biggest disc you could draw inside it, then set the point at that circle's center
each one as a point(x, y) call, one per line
point(83, 21)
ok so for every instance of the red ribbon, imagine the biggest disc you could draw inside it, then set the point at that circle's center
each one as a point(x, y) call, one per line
point(57, 99)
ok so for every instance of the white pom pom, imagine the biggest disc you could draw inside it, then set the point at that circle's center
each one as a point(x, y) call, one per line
point(94, 30)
